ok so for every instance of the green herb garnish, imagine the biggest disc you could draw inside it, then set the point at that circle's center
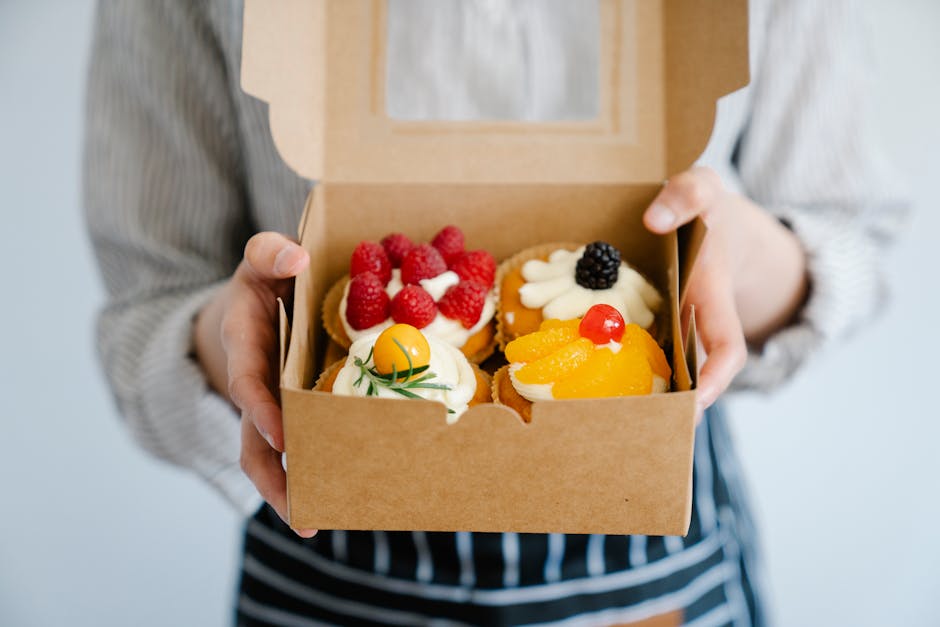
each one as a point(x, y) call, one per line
point(391, 381)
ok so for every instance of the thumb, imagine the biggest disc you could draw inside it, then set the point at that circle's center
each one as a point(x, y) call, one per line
point(271, 256)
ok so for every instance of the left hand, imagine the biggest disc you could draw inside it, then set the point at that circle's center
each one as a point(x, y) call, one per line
point(749, 279)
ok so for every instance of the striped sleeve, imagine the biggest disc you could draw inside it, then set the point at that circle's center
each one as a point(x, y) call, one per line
point(808, 156)
point(167, 217)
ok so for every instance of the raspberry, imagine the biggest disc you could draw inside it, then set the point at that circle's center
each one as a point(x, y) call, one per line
point(414, 306)
point(464, 302)
point(370, 257)
point(367, 301)
point(476, 265)
point(449, 241)
point(423, 262)
point(396, 246)
point(598, 267)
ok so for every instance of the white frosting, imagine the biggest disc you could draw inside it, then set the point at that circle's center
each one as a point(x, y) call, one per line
point(551, 286)
point(447, 363)
point(442, 327)
point(530, 391)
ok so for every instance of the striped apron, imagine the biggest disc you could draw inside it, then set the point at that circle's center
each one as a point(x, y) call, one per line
point(464, 578)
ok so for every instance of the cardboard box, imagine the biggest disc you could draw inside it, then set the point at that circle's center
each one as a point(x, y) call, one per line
point(613, 466)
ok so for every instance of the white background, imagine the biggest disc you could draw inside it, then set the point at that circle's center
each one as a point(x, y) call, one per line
point(843, 462)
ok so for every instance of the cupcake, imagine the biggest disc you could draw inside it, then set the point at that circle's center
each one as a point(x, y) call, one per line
point(596, 356)
point(563, 281)
point(440, 288)
point(401, 362)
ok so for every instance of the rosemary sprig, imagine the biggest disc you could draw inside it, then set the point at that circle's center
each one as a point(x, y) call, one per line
point(405, 386)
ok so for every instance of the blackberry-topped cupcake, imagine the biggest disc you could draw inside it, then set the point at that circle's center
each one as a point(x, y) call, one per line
point(563, 281)
point(440, 288)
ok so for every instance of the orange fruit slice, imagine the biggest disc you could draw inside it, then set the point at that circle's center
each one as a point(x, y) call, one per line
point(594, 379)
point(558, 363)
point(539, 344)
point(554, 323)
point(636, 337)
point(633, 372)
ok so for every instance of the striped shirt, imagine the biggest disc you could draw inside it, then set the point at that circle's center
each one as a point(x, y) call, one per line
point(181, 170)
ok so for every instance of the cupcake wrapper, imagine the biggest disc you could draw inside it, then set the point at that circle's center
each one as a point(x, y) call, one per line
point(325, 380)
point(331, 321)
point(522, 406)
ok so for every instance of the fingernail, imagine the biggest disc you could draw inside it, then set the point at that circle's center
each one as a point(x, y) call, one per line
point(305, 533)
point(266, 436)
point(287, 259)
point(660, 217)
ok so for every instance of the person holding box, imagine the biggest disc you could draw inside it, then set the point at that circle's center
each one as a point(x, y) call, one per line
point(187, 203)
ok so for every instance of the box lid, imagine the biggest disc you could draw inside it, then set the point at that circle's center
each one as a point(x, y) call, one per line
point(321, 66)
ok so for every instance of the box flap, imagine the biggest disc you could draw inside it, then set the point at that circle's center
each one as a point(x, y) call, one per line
point(283, 330)
point(321, 65)
point(691, 350)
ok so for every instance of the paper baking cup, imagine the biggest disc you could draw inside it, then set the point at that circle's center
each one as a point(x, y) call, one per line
point(522, 406)
point(331, 321)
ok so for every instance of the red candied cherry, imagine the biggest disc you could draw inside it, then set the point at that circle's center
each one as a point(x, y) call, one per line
point(601, 324)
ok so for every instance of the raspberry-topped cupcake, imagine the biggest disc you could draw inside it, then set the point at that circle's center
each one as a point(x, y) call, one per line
point(596, 356)
point(563, 281)
point(440, 288)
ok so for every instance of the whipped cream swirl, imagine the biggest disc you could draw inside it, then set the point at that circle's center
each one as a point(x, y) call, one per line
point(551, 286)
point(447, 363)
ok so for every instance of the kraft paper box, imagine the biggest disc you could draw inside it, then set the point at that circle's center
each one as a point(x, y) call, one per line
point(615, 466)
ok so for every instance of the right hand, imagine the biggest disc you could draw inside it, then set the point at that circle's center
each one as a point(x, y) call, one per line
point(237, 344)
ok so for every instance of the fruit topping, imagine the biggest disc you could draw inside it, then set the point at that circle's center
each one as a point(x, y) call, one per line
point(449, 241)
point(422, 262)
point(367, 302)
point(637, 338)
point(464, 302)
point(596, 378)
point(370, 257)
point(566, 359)
point(539, 344)
point(414, 306)
point(602, 324)
point(396, 246)
point(555, 323)
point(598, 267)
point(476, 265)
point(399, 349)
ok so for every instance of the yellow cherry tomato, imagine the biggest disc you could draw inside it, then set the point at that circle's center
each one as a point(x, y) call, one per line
point(392, 344)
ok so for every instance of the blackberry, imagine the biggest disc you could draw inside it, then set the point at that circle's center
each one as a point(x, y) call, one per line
point(598, 267)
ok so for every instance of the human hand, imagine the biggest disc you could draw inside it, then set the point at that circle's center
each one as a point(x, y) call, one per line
point(749, 279)
point(237, 344)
